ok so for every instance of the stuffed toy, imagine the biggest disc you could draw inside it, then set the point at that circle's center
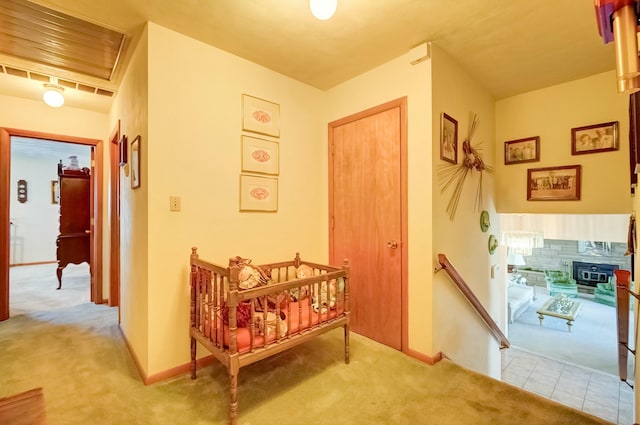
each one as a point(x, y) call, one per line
point(327, 297)
point(303, 271)
point(249, 275)
point(269, 328)
point(243, 314)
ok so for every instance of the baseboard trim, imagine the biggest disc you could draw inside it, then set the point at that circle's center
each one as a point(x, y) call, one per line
point(166, 374)
point(178, 370)
point(424, 358)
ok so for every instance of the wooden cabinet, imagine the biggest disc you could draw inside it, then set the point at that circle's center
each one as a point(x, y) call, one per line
point(73, 243)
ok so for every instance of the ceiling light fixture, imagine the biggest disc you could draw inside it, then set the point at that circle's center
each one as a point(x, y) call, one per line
point(53, 96)
point(323, 9)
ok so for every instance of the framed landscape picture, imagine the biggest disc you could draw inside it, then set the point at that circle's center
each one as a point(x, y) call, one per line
point(135, 163)
point(594, 138)
point(522, 150)
point(554, 183)
point(449, 139)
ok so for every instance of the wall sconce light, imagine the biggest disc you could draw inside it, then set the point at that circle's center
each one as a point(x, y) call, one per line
point(323, 9)
point(53, 96)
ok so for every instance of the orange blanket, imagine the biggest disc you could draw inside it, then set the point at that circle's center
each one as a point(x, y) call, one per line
point(298, 317)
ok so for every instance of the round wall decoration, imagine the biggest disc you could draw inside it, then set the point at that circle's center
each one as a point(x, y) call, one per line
point(485, 221)
point(493, 244)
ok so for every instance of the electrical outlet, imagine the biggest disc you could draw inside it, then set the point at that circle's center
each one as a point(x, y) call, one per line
point(174, 203)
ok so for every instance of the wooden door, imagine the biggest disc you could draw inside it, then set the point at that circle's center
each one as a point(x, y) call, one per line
point(367, 202)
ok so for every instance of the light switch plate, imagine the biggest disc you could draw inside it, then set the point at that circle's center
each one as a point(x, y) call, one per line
point(174, 203)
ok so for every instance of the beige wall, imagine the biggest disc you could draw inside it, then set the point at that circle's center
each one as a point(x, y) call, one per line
point(193, 151)
point(393, 80)
point(551, 113)
point(458, 330)
point(131, 108)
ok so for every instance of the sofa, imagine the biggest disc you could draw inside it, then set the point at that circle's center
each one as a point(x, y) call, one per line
point(605, 293)
point(560, 283)
point(519, 297)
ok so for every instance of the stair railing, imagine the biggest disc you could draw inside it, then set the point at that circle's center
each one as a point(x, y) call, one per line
point(623, 290)
point(473, 300)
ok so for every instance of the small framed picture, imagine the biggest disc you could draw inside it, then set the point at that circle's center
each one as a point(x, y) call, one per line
point(522, 150)
point(258, 193)
point(124, 150)
point(554, 183)
point(135, 163)
point(55, 192)
point(260, 116)
point(594, 138)
point(449, 139)
point(260, 156)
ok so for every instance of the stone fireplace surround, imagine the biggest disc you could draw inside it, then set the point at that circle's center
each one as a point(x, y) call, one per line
point(560, 254)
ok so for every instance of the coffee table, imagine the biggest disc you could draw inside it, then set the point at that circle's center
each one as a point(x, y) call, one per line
point(562, 307)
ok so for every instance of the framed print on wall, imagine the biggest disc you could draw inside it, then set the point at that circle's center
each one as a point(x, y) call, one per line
point(554, 183)
point(258, 193)
point(594, 138)
point(55, 191)
point(522, 150)
point(135, 163)
point(449, 139)
point(260, 116)
point(260, 156)
point(124, 147)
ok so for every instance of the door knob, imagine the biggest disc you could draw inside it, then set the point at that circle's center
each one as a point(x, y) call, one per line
point(392, 244)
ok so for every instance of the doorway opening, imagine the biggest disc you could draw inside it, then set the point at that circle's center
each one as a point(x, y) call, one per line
point(48, 193)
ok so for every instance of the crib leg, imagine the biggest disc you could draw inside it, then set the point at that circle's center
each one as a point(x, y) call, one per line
point(193, 358)
point(233, 397)
point(346, 344)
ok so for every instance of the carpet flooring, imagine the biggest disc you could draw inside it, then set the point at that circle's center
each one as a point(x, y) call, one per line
point(592, 342)
point(77, 354)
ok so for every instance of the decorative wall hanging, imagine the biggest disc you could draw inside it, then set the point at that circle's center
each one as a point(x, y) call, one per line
point(492, 244)
point(456, 174)
point(260, 116)
point(22, 191)
point(258, 193)
point(594, 138)
point(522, 150)
point(135, 163)
point(260, 156)
point(448, 139)
point(485, 221)
point(554, 183)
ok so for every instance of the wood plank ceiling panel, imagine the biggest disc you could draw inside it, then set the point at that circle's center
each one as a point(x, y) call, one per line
point(45, 36)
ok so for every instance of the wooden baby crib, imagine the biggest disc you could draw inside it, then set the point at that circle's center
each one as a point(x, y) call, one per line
point(244, 313)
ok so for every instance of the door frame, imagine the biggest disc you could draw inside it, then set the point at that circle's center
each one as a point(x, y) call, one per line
point(114, 216)
point(96, 208)
point(401, 104)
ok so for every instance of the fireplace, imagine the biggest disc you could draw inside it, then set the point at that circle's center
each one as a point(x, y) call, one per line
point(590, 274)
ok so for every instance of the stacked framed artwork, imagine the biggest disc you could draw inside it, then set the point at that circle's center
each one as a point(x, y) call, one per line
point(560, 183)
point(260, 156)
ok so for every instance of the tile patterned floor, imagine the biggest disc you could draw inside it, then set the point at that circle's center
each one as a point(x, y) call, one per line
point(591, 391)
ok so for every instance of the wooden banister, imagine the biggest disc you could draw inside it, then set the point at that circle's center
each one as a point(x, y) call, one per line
point(623, 290)
point(473, 300)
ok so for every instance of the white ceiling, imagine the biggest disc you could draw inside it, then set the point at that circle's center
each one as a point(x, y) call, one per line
point(509, 47)
point(28, 148)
